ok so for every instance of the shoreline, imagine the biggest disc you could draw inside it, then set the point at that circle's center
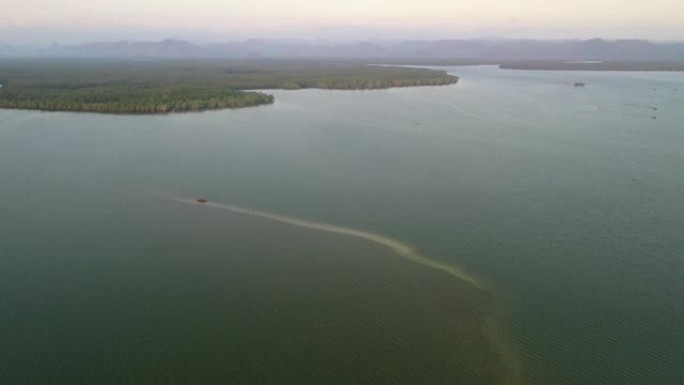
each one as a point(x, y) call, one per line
point(137, 113)
point(594, 66)
point(118, 87)
point(270, 100)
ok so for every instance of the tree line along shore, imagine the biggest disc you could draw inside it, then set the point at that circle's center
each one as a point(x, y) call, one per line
point(630, 66)
point(177, 85)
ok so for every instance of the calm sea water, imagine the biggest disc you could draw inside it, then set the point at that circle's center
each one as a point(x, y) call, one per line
point(568, 201)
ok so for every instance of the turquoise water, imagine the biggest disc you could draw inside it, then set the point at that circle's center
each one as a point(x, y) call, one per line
point(568, 201)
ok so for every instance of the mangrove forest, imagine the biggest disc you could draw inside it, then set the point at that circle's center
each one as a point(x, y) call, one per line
point(162, 86)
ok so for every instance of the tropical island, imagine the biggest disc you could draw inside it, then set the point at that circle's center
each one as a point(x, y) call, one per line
point(163, 86)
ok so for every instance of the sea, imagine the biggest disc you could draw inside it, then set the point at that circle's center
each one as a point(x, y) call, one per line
point(510, 229)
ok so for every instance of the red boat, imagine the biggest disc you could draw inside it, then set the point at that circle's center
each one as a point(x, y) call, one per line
point(201, 200)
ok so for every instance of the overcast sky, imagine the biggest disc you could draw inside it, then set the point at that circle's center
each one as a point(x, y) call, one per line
point(221, 20)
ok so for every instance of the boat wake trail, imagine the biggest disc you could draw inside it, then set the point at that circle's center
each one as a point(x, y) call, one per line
point(510, 373)
point(401, 249)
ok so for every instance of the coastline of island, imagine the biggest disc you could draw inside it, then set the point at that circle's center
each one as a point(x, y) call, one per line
point(596, 65)
point(129, 87)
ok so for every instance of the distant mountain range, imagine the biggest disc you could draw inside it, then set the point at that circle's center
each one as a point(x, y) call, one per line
point(478, 50)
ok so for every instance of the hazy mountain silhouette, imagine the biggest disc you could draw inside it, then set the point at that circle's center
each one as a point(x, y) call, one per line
point(485, 50)
point(163, 49)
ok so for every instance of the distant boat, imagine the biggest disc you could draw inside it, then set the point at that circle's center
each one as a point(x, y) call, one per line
point(201, 200)
point(579, 84)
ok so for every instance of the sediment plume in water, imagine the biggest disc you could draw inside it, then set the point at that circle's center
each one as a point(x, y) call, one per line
point(401, 249)
point(511, 373)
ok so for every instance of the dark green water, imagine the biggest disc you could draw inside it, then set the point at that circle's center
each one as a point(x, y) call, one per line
point(568, 201)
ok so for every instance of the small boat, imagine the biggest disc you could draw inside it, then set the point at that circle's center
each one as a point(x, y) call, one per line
point(201, 200)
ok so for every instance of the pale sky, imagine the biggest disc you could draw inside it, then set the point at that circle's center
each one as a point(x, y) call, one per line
point(221, 20)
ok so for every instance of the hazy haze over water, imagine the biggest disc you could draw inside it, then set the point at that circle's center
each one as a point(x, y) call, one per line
point(215, 20)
